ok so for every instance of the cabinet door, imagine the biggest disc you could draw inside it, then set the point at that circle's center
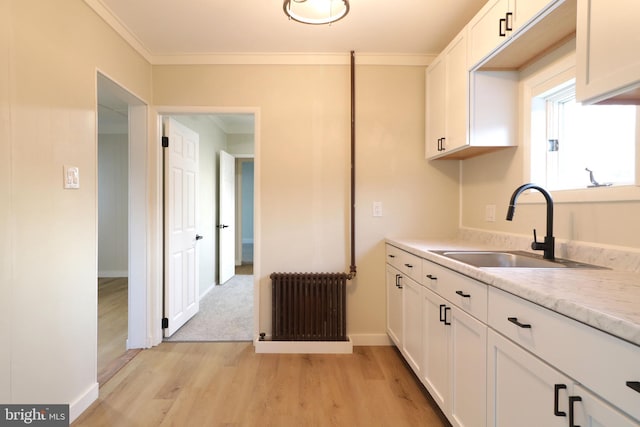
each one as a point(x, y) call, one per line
point(525, 10)
point(487, 31)
point(591, 411)
point(521, 388)
point(435, 111)
point(607, 40)
point(394, 305)
point(457, 97)
point(435, 367)
point(468, 371)
point(412, 332)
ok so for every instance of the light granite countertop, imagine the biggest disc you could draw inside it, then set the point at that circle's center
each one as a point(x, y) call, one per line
point(608, 300)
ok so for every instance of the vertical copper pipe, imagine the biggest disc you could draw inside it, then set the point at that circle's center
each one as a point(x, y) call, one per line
point(352, 268)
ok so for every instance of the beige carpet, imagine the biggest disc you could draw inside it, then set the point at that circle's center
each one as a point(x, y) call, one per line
point(225, 314)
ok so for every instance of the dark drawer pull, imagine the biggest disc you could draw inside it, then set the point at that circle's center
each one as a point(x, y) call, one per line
point(391, 256)
point(556, 411)
point(432, 277)
point(634, 385)
point(398, 281)
point(501, 30)
point(409, 265)
point(443, 314)
point(572, 400)
point(463, 295)
point(509, 21)
point(514, 320)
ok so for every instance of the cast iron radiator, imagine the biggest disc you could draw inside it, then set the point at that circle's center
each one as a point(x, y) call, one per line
point(309, 306)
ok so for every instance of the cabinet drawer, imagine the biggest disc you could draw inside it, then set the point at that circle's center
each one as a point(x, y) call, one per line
point(409, 264)
point(597, 360)
point(394, 256)
point(466, 293)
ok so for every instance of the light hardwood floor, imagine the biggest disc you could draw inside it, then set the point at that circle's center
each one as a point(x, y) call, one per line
point(112, 324)
point(228, 384)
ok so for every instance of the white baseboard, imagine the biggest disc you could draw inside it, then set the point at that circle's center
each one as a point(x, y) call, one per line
point(370, 340)
point(113, 273)
point(304, 347)
point(77, 407)
point(213, 285)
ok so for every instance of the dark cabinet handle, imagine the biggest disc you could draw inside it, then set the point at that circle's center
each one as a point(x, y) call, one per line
point(398, 281)
point(634, 385)
point(514, 320)
point(442, 148)
point(501, 31)
point(432, 277)
point(199, 237)
point(556, 390)
point(463, 295)
point(445, 315)
point(408, 265)
point(509, 21)
point(572, 400)
point(391, 256)
point(442, 312)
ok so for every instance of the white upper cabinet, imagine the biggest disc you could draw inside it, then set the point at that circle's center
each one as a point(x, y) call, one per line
point(607, 51)
point(487, 30)
point(447, 99)
point(532, 26)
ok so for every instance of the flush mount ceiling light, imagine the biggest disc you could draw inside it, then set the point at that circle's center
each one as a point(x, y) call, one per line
point(316, 12)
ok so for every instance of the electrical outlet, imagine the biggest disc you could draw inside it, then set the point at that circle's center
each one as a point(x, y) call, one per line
point(490, 213)
point(71, 177)
point(377, 208)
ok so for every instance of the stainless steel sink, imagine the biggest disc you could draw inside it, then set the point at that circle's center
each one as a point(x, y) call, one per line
point(510, 259)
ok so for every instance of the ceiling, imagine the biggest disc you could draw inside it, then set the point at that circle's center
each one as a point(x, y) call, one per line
point(164, 29)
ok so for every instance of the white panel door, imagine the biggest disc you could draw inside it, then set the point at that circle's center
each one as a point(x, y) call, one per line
point(180, 197)
point(227, 216)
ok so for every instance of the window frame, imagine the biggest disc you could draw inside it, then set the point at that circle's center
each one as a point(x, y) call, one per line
point(550, 72)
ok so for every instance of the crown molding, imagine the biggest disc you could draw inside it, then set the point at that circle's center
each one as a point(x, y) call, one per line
point(123, 31)
point(294, 58)
point(255, 58)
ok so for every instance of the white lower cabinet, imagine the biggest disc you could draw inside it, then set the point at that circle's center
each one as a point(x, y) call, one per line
point(490, 358)
point(521, 388)
point(524, 391)
point(435, 367)
point(454, 366)
point(394, 305)
point(589, 410)
point(412, 316)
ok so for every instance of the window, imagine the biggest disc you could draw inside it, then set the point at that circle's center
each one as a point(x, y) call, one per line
point(577, 147)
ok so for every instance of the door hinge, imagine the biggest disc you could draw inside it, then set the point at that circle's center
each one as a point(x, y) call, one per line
point(165, 141)
point(165, 323)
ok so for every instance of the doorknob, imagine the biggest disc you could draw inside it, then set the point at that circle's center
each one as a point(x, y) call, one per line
point(222, 226)
point(199, 237)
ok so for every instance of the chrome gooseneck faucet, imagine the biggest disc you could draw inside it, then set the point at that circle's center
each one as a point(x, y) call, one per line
point(548, 246)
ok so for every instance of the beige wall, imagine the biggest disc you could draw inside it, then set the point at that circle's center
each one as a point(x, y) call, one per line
point(492, 178)
point(304, 167)
point(50, 52)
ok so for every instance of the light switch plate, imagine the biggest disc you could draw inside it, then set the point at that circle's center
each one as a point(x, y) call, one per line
point(490, 213)
point(71, 177)
point(377, 208)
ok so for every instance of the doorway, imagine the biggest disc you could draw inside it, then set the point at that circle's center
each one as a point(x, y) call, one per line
point(226, 309)
point(122, 220)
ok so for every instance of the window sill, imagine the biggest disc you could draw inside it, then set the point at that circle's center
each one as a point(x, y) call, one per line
point(622, 193)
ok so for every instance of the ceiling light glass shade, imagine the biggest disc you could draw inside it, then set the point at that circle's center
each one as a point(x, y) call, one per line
point(316, 12)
